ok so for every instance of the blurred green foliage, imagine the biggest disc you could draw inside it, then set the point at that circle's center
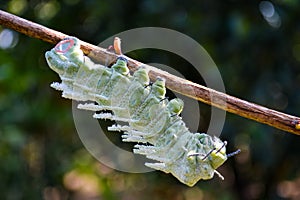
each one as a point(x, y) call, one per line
point(256, 46)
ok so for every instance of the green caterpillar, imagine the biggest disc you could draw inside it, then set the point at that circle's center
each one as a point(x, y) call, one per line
point(150, 117)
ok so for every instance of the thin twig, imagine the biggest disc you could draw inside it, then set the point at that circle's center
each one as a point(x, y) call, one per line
point(209, 96)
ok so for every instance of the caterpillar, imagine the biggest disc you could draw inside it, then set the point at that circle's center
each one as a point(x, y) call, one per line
point(151, 119)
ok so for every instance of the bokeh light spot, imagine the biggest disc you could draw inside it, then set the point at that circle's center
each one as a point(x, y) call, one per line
point(17, 6)
point(266, 8)
point(82, 184)
point(47, 10)
point(8, 39)
point(269, 13)
point(289, 189)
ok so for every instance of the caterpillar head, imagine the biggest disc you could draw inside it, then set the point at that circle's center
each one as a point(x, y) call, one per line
point(65, 56)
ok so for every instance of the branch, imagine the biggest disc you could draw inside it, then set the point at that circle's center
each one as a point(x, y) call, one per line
point(209, 96)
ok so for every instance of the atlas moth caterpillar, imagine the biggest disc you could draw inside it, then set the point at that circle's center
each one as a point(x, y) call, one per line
point(152, 120)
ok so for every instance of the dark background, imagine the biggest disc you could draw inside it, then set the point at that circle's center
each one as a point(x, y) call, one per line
point(256, 50)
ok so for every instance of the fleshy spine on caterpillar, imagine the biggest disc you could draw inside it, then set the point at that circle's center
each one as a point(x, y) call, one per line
point(151, 118)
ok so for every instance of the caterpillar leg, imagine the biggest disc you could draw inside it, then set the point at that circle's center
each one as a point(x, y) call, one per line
point(95, 107)
point(157, 166)
point(73, 95)
point(58, 86)
point(110, 117)
point(119, 128)
point(158, 153)
point(127, 138)
point(134, 136)
point(68, 92)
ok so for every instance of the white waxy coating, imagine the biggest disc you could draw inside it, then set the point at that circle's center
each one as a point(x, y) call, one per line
point(151, 119)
